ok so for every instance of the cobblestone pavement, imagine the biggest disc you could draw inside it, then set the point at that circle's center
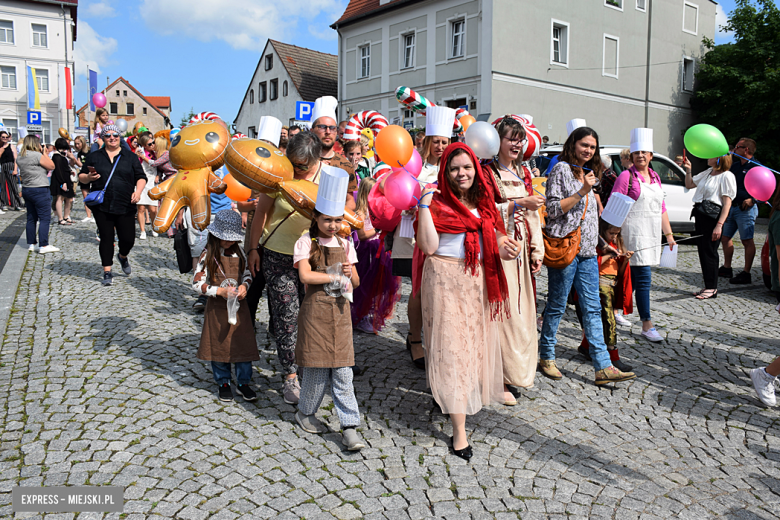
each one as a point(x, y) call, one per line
point(102, 387)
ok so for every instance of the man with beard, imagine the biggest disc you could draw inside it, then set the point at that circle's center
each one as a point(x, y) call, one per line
point(283, 139)
point(339, 146)
point(324, 127)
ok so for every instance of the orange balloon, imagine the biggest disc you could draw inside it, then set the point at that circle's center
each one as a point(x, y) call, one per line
point(394, 145)
point(466, 121)
point(235, 190)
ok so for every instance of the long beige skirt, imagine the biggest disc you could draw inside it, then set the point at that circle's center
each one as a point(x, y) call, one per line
point(462, 350)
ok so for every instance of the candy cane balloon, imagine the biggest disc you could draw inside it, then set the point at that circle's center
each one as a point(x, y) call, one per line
point(204, 116)
point(366, 119)
point(460, 112)
point(238, 136)
point(418, 104)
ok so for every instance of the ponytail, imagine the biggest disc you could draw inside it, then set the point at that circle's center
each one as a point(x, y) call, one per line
point(315, 256)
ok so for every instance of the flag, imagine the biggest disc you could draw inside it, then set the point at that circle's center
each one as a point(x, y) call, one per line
point(66, 88)
point(92, 88)
point(33, 98)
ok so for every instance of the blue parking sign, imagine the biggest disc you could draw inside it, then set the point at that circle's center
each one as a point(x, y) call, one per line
point(303, 110)
point(33, 117)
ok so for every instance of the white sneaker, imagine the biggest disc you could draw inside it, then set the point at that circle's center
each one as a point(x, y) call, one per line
point(33, 248)
point(764, 385)
point(48, 249)
point(652, 335)
point(2, 212)
point(143, 235)
point(86, 219)
point(155, 234)
point(620, 320)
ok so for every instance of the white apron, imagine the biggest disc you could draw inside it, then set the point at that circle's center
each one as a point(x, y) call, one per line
point(642, 228)
point(151, 174)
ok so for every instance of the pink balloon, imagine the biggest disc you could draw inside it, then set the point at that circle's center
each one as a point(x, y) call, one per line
point(414, 166)
point(402, 190)
point(760, 182)
point(110, 122)
point(99, 99)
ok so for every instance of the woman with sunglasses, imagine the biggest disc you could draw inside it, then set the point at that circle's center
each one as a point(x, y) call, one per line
point(9, 180)
point(122, 193)
point(147, 153)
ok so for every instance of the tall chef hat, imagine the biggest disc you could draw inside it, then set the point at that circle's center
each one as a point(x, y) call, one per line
point(439, 121)
point(270, 129)
point(332, 192)
point(641, 140)
point(574, 124)
point(324, 107)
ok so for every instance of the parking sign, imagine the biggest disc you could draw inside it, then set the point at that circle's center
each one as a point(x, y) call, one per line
point(303, 110)
point(33, 117)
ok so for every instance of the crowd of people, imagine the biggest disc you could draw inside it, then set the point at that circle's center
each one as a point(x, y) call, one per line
point(472, 248)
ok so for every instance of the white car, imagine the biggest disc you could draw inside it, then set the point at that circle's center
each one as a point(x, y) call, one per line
point(679, 201)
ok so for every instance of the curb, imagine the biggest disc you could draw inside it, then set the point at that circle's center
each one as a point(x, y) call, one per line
point(9, 279)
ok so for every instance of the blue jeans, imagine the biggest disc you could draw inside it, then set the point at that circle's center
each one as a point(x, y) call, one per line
point(222, 372)
point(38, 202)
point(742, 221)
point(641, 280)
point(583, 273)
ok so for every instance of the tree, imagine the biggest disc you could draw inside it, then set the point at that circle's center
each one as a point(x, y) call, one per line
point(186, 119)
point(739, 83)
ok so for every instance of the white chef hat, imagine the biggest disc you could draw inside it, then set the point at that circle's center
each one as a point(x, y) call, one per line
point(641, 140)
point(574, 124)
point(332, 191)
point(324, 107)
point(269, 129)
point(439, 121)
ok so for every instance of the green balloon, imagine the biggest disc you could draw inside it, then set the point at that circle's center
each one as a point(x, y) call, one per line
point(706, 142)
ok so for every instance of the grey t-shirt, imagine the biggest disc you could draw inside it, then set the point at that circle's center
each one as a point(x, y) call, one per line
point(30, 170)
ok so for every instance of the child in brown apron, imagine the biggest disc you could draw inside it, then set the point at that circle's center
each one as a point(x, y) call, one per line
point(222, 269)
point(324, 348)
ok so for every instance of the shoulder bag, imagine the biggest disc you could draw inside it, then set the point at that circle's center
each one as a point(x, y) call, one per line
point(95, 198)
point(560, 252)
point(707, 208)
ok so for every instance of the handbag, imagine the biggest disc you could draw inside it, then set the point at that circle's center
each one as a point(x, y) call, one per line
point(95, 198)
point(182, 248)
point(708, 209)
point(560, 252)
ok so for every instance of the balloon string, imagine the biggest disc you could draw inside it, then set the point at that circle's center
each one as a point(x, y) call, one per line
point(756, 162)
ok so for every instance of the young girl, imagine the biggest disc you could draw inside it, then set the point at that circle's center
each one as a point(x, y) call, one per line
point(101, 118)
point(221, 269)
point(614, 288)
point(324, 346)
point(379, 290)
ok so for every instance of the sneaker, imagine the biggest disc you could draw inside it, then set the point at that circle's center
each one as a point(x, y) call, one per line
point(48, 249)
point(612, 375)
point(143, 235)
point(550, 369)
point(764, 385)
point(652, 335)
point(620, 320)
point(310, 423)
point(33, 248)
point(291, 391)
point(108, 278)
point(246, 392)
point(225, 393)
point(743, 278)
point(351, 439)
point(86, 219)
point(200, 303)
point(155, 234)
point(125, 263)
point(725, 272)
point(366, 326)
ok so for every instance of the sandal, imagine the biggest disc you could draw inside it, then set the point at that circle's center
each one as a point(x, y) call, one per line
point(64, 222)
point(713, 293)
point(419, 362)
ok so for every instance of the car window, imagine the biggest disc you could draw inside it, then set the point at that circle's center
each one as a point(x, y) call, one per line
point(667, 172)
point(616, 166)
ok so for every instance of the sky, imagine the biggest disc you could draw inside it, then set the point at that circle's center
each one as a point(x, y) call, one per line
point(203, 53)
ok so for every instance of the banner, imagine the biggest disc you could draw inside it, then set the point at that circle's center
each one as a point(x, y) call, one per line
point(33, 97)
point(66, 88)
point(93, 88)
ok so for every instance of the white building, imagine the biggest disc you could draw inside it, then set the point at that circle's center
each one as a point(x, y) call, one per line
point(39, 34)
point(284, 75)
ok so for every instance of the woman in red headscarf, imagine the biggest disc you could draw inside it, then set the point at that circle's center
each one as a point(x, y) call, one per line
point(464, 290)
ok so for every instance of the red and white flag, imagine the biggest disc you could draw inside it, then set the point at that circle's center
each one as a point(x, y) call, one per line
point(66, 88)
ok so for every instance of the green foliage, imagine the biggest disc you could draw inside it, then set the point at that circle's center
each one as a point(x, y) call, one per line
point(186, 119)
point(738, 83)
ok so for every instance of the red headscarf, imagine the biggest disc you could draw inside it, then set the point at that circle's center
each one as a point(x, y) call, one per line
point(451, 216)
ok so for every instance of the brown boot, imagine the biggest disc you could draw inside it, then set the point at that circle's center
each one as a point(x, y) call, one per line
point(549, 369)
point(612, 375)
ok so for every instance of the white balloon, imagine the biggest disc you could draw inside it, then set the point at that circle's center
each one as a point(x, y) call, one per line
point(121, 124)
point(483, 138)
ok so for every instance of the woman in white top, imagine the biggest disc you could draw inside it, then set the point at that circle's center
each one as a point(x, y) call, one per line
point(716, 188)
point(146, 151)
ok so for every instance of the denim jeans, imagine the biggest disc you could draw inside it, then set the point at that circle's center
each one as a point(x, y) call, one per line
point(583, 273)
point(222, 372)
point(641, 280)
point(38, 202)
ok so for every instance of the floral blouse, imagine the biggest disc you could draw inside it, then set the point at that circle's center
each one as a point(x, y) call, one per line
point(560, 185)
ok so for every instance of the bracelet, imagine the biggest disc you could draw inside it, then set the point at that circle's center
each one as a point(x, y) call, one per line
point(668, 234)
point(423, 206)
point(578, 194)
point(719, 223)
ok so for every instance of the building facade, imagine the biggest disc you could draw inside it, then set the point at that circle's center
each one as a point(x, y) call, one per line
point(124, 101)
point(619, 64)
point(38, 34)
point(285, 74)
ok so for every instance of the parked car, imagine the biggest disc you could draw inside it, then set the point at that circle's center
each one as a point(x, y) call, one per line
point(679, 201)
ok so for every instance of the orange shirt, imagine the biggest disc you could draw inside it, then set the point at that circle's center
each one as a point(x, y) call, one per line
point(609, 267)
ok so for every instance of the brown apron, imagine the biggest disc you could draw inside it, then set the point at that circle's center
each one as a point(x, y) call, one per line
point(220, 341)
point(325, 323)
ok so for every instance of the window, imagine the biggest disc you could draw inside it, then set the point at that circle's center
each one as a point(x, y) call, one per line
point(262, 92)
point(144, 110)
point(46, 137)
point(689, 66)
point(559, 50)
point(458, 36)
point(473, 104)
point(39, 35)
point(124, 92)
point(611, 53)
point(408, 114)
point(9, 77)
point(251, 96)
point(113, 108)
point(690, 18)
point(284, 88)
point(274, 89)
point(6, 31)
point(641, 5)
point(668, 173)
point(42, 77)
point(130, 109)
point(365, 61)
point(269, 62)
point(408, 40)
point(252, 131)
point(117, 92)
point(615, 4)
point(10, 127)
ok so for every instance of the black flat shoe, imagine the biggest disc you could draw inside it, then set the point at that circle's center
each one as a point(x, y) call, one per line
point(419, 362)
point(465, 454)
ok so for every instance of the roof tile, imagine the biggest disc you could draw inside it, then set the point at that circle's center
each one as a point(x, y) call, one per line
point(314, 74)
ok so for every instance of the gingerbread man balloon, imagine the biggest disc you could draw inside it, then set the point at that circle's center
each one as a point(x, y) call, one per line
point(196, 152)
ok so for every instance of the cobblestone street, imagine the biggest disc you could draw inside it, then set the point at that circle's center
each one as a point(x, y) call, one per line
point(101, 386)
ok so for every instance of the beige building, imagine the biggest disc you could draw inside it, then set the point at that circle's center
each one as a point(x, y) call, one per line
point(125, 102)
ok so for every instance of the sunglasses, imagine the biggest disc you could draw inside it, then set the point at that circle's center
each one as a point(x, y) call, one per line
point(114, 136)
point(326, 128)
point(302, 167)
point(150, 143)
